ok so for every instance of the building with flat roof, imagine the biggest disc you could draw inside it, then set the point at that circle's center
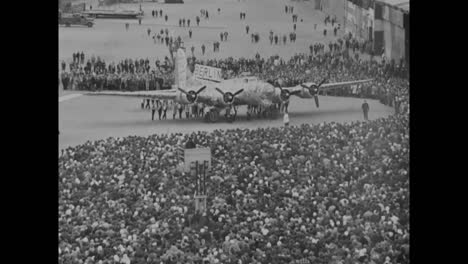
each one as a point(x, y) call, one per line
point(385, 23)
point(391, 31)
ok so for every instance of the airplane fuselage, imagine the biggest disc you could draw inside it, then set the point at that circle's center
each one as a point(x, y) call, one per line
point(255, 92)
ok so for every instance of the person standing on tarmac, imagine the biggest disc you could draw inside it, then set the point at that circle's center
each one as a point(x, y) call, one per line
point(153, 110)
point(187, 111)
point(286, 119)
point(147, 103)
point(195, 110)
point(181, 109)
point(202, 110)
point(174, 110)
point(164, 109)
point(365, 110)
point(160, 108)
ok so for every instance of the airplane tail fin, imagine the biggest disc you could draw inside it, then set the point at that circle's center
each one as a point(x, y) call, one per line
point(181, 69)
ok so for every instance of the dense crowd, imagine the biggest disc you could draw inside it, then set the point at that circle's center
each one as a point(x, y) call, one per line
point(328, 193)
point(127, 75)
point(390, 85)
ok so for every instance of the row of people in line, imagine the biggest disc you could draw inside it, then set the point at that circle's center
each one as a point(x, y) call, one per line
point(196, 110)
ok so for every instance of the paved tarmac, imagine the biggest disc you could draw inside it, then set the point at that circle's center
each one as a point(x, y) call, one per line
point(109, 39)
point(85, 117)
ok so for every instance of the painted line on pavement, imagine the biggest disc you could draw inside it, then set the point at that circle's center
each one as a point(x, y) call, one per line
point(68, 97)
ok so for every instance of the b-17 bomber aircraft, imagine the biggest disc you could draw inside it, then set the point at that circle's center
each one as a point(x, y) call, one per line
point(223, 95)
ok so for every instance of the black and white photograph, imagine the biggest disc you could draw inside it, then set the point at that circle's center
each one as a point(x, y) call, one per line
point(233, 132)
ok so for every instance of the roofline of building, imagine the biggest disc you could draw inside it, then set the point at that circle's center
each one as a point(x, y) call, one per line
point(396, 6)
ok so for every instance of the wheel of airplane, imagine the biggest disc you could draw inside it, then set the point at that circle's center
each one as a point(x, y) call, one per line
point(207, 117)
point(230, 118)
point(274, 112)
point(214, 116)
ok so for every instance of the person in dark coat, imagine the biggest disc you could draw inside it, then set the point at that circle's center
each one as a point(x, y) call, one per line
point(365, 110)
point(160, 109)
point(153, 110)
point(181, 109)
point(190, 144)
point(164, 110)
point(65, 80)
point(148, 103)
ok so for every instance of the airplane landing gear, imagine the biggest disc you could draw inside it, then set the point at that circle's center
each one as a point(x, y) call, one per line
point(230, 117)
point(274, 112)
point(212, 116)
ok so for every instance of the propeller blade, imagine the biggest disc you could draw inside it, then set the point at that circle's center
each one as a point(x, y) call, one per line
point(182, 90)
point(219, 90)
point(201, 89)
point(320, 84)
point(238, 92)
point(316, 101)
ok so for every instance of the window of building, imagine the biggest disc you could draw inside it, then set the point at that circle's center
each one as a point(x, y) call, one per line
point(378, 11)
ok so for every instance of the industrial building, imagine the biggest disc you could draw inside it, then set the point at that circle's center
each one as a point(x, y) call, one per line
point(385, 23)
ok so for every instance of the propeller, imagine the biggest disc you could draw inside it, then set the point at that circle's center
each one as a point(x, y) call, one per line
point(314, 90)
point(286, 94)
point(228, 97)
point(192, 95)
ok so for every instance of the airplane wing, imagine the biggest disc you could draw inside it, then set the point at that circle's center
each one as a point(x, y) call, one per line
point(158, 94)
point(328, 86)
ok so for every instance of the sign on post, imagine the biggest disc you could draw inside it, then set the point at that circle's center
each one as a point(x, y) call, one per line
point(198, 171)
point(207, 73)
point(197, 154)
point(200, 203)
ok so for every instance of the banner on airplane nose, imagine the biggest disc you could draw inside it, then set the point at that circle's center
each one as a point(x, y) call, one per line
point(207, 73)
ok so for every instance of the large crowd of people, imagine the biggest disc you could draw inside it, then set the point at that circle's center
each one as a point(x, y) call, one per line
point(328, 193)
